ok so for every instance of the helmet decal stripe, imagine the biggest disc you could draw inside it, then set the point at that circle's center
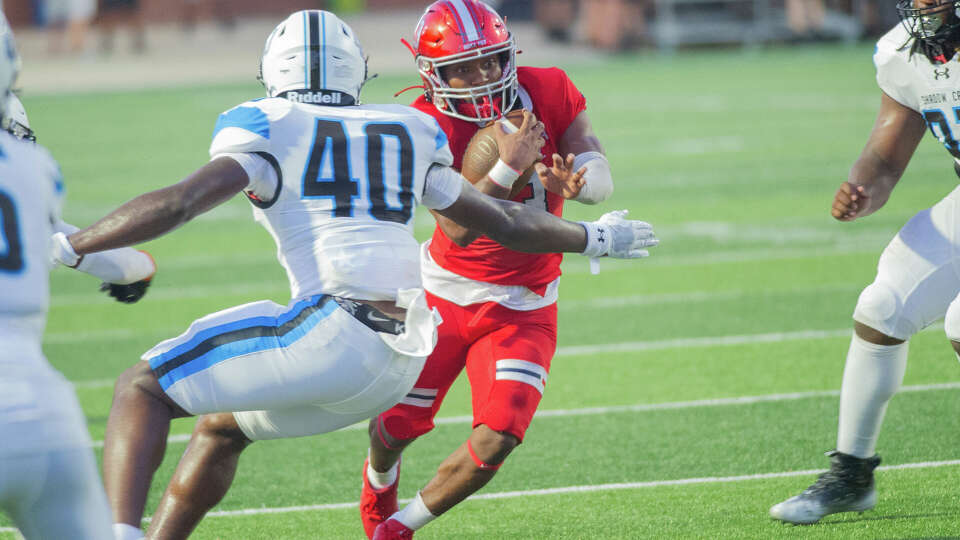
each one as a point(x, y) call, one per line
point(314, 50)
point(477, 18)
point(323, 49)
point(466, 20)
point(306, 53)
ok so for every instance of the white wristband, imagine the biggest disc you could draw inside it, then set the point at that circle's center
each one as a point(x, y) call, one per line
point(598, 239)
point(62, 252)
point(503, 175)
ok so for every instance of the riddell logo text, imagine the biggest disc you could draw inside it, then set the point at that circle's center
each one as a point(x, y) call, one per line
point(333, 98)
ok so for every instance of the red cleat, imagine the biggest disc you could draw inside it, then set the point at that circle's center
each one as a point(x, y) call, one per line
point(377, 505)
point(392, 529)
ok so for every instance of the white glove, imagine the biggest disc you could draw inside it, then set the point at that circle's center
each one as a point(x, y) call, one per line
point(614, 236)
point(118, 266)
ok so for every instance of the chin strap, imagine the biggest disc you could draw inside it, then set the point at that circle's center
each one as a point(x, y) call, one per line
point(420, 86)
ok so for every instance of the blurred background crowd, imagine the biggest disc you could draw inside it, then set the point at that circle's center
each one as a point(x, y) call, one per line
point(91, 27)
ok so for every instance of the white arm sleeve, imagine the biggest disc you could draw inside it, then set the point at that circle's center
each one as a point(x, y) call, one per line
point(442, 187)
point(263, 177)
point(599, 181)
point(120, 266)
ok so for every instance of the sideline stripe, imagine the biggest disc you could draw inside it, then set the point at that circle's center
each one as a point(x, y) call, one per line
point(648, 407)
point(575, 489)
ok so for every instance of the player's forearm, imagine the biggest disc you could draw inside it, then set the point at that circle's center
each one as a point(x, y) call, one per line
point(121, 266)
point(144, 218)
point(877, 176)
point(458, 234)
point(156, 213)
point(530, 230)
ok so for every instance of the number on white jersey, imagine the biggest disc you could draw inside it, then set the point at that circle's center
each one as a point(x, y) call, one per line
point(330, 152)
point(11, 250)
point(939, 124)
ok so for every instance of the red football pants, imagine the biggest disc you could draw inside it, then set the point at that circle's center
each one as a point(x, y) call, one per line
point(507, 355)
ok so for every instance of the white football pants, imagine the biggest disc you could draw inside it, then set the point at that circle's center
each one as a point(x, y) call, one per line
point(306, 368)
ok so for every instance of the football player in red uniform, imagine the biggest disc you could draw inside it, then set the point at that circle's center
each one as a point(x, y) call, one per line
point(498, 305)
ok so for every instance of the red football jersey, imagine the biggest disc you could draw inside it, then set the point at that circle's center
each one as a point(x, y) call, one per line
point(556, 102)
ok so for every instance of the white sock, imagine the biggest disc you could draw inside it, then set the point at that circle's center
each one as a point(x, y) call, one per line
point(380, 480)
point(872, 376)
point(414, 515)
point(124, 531)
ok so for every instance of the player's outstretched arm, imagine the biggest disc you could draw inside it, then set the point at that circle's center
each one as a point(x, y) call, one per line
point(895, 136)
point(156, 213)
point(528, 229)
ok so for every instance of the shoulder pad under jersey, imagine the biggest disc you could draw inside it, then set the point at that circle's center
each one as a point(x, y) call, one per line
point(896, 67)
point(246, 127)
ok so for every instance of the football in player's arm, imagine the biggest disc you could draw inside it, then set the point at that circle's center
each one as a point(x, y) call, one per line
point(916, 281)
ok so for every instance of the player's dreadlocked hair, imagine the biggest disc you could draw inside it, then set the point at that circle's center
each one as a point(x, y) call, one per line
point(934, 29)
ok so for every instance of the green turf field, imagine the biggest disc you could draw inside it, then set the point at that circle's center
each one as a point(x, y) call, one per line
point(683, 385)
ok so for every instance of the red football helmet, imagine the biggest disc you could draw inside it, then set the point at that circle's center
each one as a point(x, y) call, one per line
point(451, 31)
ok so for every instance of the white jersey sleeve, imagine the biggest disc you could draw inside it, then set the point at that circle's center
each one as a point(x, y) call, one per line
point(246, 129)
point(896, 68)
point(442, 188)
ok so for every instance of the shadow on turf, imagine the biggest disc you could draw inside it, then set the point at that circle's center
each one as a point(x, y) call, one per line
point(894, 517)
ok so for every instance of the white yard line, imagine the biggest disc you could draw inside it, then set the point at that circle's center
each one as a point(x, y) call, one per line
point(649, 407)
point(570, 350)
point(260, 290)
point(711, 341)
point(573, 265)
point(574, 489)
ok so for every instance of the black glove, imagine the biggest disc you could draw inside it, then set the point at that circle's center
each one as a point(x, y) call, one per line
point(128, 294)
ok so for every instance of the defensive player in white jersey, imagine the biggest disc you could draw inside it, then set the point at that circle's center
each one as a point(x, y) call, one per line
point(916, 284)
point(336, 184)
point(126, 272)
point(48, 476)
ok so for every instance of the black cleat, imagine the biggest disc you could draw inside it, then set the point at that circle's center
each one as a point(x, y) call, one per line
point(847, 487)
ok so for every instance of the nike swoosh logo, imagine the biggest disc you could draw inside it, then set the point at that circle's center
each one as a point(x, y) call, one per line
point(376, 318)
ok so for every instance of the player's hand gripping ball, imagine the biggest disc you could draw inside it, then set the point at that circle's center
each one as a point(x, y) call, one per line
point(482, 154)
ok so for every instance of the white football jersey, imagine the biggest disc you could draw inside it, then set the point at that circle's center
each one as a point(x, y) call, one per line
point(30, 197)
point(933, 90)
point(350, 179)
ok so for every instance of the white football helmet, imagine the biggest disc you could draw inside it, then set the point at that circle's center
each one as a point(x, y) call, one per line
point(313, 57)
point(15, 120)
point(9, 63)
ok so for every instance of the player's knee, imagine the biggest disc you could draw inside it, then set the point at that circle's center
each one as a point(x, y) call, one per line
point(138, 383)
point(951, 322)
point(879, 314)
point(220, 430)
point(135, 380)
point(490, 446)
